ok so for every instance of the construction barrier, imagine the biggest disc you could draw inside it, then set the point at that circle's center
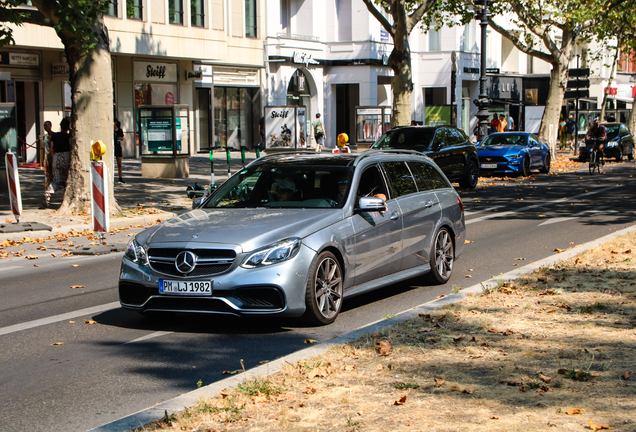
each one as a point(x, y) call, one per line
point(99, 196)
point(13, 180)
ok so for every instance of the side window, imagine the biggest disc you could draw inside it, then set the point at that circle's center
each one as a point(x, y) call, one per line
point(427, 177)
point(624, 130)
point(443, 137)
point(400, 180)
point(372, 183)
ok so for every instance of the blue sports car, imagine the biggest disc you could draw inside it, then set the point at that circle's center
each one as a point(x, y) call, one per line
point(513, 152)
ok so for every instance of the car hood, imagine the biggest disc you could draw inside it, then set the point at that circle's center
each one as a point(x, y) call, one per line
point(248, 228)
point(499, 150)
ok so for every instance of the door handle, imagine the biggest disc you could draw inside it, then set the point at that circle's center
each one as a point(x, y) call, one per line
point(395, 215)
point(428, 204)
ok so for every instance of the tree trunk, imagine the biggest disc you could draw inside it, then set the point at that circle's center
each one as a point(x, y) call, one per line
point(91, 118)
point(550, 121)
point(400, 62)
point(609, 84)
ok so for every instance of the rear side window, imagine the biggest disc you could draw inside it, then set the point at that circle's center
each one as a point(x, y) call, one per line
point(400, 180)
point(456, 137)
point(427, 177)
point(624, 130)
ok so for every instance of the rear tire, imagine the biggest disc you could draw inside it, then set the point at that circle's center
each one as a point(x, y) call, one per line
point(323, 294)
point(546, 164)
point(442, 258)
point(472, 175)
point(630, 155)
point(592, 163)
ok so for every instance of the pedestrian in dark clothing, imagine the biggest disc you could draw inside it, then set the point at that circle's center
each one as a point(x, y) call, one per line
point(119, 139)
point(61, 150)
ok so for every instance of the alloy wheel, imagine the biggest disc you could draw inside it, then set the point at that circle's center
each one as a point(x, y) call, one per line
point(444, 256)
point(328, 288)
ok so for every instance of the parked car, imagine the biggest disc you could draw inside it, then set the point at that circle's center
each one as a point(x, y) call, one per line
point(294, 234)
point(448, 146)
point(619, 143)
point(513, 153)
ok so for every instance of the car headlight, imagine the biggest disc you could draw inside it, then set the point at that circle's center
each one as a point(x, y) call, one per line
point(516, 156)
point(612, 144)
point(273, 254)
point(136, 253)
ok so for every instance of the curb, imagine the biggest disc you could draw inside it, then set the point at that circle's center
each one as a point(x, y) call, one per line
point(179, 403)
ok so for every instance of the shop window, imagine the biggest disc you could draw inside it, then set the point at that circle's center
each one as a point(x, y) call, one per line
point(196, 13)
point(250, 18)
point(113, 6)
point(134, 9)
point(435, 96)
point(155, 94)
point(233, 117)
point(434, 40)
point(175, 11)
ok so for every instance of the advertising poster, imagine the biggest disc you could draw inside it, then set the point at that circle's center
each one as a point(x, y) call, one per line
point(437, 115)
point(280, 127)
point(158, 133)
point(8, 134)
point(533, 118)
point(301, 115)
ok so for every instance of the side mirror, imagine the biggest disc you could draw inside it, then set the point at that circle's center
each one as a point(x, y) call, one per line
point(196, 202)
point(368, 204)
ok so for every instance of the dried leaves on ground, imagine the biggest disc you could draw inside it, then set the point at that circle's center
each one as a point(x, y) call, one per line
point(553, 351)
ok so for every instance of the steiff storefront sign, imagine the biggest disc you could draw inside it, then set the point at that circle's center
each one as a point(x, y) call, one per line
point(155, 72)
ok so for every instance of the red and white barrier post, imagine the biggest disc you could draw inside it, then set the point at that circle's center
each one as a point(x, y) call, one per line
point(13, 180)
point(99, 197)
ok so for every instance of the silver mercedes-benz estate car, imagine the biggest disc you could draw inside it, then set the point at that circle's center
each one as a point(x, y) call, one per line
point(293, 234)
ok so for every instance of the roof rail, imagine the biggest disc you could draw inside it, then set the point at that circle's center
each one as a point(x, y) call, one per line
point(374, 152)
point(295, 152)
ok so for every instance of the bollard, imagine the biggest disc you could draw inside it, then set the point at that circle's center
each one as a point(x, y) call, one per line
point(13, 180)
point(99, 197)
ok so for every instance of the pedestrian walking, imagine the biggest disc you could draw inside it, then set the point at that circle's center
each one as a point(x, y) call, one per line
point(261, 132)
point(48, 155)
point(119, 154)
point(511, 124)
point(319, 132)
point(494, 124)
point(501, 127)
point(570, 130)
point(61, 150)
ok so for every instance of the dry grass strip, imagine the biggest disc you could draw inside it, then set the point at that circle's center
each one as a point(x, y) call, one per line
point(555, 350)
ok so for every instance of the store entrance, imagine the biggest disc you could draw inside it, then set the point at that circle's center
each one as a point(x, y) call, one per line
point(26, 96)
point(204, 108)
point(347, 98)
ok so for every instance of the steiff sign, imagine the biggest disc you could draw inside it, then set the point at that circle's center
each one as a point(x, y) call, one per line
point(155, 72)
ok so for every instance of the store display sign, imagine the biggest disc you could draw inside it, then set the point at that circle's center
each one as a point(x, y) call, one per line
point(9, 137)
point(22, 59)
point(437, 115)
point(158, 133)
point(155, 72)
point(280, 127)
point(59, 71)
point(301, 115)
point(369, 111)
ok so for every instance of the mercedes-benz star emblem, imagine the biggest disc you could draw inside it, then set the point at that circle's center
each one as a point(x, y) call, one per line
point(185, 262)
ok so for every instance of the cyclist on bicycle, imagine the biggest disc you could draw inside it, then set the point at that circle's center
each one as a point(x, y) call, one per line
point(599, 134)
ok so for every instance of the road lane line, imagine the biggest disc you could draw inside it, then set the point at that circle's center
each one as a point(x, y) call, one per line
point(534, 206)
point(149, 336)
point(57, 318)
point(470, 213)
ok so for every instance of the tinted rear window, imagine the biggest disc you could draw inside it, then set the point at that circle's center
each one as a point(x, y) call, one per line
point(417, 139)
point(427, 177)
point(400, 179)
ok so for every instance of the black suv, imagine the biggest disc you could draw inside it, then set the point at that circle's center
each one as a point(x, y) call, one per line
point(448, 146)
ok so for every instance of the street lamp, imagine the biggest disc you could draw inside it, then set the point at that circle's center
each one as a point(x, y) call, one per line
point(483, 102)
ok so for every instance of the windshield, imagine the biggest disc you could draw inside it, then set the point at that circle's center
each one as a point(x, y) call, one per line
point(505, 139)
point(301, 185)
point(612, 131)
point(417, 138)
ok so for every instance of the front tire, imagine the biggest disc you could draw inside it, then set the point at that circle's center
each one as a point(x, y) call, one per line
point(442, 258)
point(472, 175)
point(592, 163)
point(619, 156)
point(546, 164)
point(525, 166)
point(323, 294)
point(630, 155)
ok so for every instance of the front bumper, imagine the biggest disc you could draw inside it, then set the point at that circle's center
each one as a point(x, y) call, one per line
point(278, 289)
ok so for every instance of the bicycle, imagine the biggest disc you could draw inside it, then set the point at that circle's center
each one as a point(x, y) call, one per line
point(596, 162)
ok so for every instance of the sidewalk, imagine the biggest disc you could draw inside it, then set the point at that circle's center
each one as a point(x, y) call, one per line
point(142, 200)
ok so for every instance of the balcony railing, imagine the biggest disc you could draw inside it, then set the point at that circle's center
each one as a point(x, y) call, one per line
point(298, 37)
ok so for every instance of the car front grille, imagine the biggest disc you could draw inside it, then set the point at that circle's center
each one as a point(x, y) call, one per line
point(493, 159)
point(210, 262)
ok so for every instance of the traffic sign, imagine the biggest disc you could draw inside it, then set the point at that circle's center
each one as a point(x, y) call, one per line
point(579, 72)
point(579, 83)
point(576, 94)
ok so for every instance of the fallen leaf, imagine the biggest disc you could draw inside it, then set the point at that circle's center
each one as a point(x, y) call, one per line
point(234, 372)
point(597, 427)
point(439, 382)
point(71, 322)
point(468, 276)
point(310, 341)
point(310, 390)
point(90, 322)
point(573, 411)
point(383, 348)
point(467, 241)
point(379, 367)
point(75, 265)
point(77, 286)
point(434, 340)
point(468, 390)
point(494, 417)
point(401, 400)
point(627, 251)
point(319, 372)
point(57, 343)
point(625, 375)
point(441, 296)
point(31, 257)
point(545, 379)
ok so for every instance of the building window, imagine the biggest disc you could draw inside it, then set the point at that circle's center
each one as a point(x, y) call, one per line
point(434, 42)
point(196, 13)
point(343, 15)
point(175, 11)
point(112, 8)
point(134, 9)
point(234, 116)
point(250, 18)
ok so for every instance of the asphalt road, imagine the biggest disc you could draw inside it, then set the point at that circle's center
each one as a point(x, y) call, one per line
point(124, 363)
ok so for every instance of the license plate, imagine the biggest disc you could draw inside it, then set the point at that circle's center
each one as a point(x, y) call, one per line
point(489, 166)
point(186, 287)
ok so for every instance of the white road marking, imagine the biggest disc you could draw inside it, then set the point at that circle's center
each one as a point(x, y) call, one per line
point(469, 213)
point(57, 318)
point(598, 211)
point(149, 336)
point(534, 206)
